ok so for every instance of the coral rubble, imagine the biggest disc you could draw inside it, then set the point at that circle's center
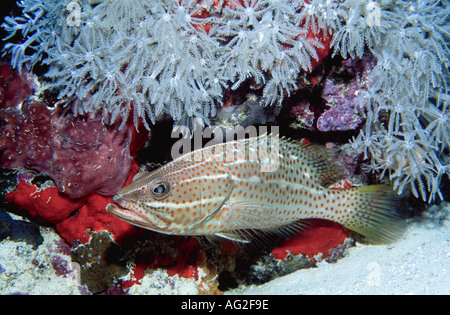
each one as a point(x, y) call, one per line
point(47, 269)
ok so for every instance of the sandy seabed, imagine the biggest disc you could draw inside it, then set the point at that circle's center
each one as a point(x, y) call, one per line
point(419, 263)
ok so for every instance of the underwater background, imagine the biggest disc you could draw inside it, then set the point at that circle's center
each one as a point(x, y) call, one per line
point(91, 90)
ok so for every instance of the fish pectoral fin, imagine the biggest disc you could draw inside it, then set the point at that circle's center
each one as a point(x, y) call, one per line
point(251, 214)
point(237, 236)
point(264, 236)
point(291, 229)
point(257, 217)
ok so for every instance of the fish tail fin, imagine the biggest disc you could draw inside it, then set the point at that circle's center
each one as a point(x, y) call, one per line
point(374, 213)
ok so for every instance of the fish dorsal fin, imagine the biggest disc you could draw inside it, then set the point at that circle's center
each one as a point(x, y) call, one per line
point(320, 160)
point(326, 164)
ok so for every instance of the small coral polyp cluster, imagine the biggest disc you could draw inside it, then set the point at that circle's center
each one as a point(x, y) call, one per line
point(164, 56)
point(144, 58)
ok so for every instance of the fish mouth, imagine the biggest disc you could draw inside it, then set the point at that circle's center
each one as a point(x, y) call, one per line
point(129, 216)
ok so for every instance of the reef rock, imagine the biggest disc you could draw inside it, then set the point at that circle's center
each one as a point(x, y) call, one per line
point(81, 154)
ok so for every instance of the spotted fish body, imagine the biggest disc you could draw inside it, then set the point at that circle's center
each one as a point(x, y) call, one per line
point(226, 189)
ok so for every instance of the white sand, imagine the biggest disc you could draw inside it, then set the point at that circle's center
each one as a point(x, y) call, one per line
point(419, 263)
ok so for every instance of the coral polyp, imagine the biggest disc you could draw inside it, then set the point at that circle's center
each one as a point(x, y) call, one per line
point(179, 57)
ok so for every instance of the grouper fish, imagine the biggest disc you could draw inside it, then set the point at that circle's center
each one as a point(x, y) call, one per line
point(263, 183)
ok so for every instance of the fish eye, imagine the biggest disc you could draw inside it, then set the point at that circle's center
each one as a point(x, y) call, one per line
point(161, 190)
